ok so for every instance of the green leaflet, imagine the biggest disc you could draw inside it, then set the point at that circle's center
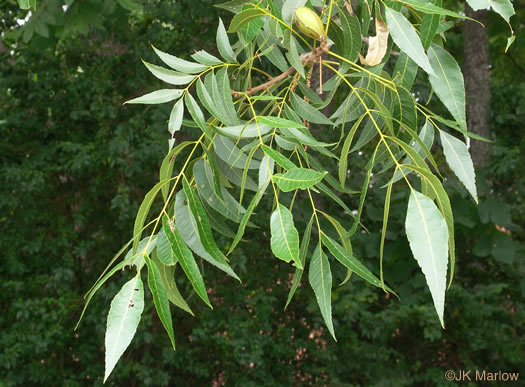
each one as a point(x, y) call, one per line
point(123, 319)
point(231, 154)
point(203, 224)
point(289, 8)
point(362, 197)
point(329, 178)
point(419, 147)
point(341, 231)
point(446, 210)
point(235, 175)
point(243, 18)
point(430, 8)
point(244, 131)
point(164, 253)
point(222, 93)
point(218, 224)
point(196, 114)
point(101, 280)
point(169, 76)
point(386, 213)
point(167, 274)
point(405, 70)
point(302, 136)
point(187, 226)
point(143, 211)
point(249, 30)
point(285, 143)
point(234, 6)
point(244, 178)
point(314, 98)
point(352, 108)
point(458, 158)
point(369, 131)
point(282, 161)
point(265, 173)
point(405, 108)
point(428, 236)
point(349, 261)
point(510, 40)
point(308, 112)
point(206, 59)
point(343, 158)
point(214, 173)
point(160, 298)
point(176, 115)
point(145, 247)
point(448, 83)
point(285, 238)
point(298, 178)
point(178, 64)
point(503, 7)
point(26, 4)
point(208, 101)
point(166, 168)
point(320, 278)
point(158, 96)
point(418, 160)
point(293, 55)
point(324, 188)
point(301, 264)
point(383, 111)
point(365, 16)
point(278, 122)
point(223, 44)
point(186, 260)
point(245, 219)
point(427, 136)
point(335, 33)
point(429, 26)
point(130, 5)
point(406, 37)
point(274, 55)
point(226, 206)
point(352, 37)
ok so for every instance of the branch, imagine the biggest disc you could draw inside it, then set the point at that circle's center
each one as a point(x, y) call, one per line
point(307, 58)
point(262, 86)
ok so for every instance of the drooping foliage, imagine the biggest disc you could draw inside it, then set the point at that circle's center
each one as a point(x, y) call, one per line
point(365, 308)
point(257, 124)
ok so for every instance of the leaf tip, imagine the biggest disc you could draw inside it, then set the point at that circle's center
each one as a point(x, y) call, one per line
point(106, 375)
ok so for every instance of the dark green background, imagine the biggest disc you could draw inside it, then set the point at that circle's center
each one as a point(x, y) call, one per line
point(75, 164)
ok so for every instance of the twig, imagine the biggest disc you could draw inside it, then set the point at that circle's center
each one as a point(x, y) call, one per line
point(262, 86)
point(307, 58)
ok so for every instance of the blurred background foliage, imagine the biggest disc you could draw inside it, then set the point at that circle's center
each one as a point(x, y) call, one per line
point(75, 164)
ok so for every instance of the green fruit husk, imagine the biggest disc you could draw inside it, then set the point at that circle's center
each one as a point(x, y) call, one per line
point(309, 23)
